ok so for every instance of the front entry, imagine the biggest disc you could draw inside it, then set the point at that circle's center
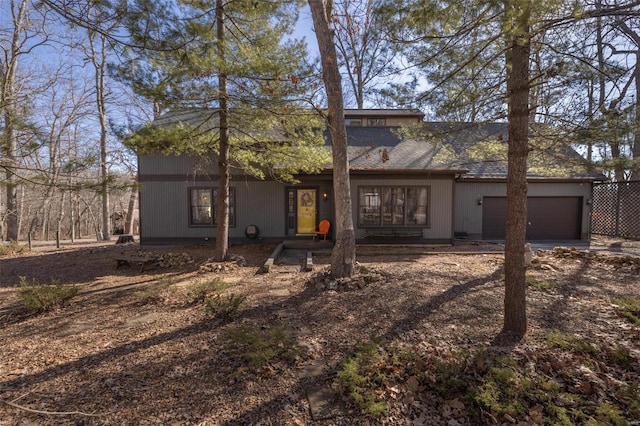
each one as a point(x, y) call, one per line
point(301, 210)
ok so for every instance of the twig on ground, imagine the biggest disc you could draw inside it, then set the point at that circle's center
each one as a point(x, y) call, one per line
point(49, 413)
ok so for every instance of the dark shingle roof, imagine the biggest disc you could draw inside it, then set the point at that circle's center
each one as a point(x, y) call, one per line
point(442, 147)
point(561, 161)
point(382, 148)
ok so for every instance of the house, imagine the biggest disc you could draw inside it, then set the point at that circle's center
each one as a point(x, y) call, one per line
point(403, 189)
point(559, 192)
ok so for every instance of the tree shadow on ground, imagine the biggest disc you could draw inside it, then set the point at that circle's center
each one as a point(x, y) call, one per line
point(135, 378)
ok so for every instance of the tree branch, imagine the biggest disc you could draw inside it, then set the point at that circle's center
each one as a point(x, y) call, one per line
point(50, 413)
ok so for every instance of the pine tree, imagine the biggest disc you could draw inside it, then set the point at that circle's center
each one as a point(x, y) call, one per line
point(473, 37)
point(231, 59)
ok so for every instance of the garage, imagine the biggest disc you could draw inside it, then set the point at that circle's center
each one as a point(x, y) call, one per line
point(549, 218)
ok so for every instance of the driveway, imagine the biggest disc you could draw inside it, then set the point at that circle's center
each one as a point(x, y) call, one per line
point(599, 244)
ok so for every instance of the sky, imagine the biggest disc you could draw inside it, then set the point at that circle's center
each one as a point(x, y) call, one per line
point(304, 29)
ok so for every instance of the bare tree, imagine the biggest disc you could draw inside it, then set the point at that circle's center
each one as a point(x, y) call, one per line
point(15, 42)
point(98, 57)
point(633, 55)
point(344, 253)
point(365, 53)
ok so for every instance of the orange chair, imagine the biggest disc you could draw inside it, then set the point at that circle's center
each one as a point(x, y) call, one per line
point(323, 229)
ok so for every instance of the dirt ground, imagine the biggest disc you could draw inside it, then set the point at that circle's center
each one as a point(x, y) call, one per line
point(124, 353)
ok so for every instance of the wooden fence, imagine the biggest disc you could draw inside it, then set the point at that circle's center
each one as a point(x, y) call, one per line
point(615, 209)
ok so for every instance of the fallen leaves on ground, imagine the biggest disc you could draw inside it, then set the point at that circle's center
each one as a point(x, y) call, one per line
point(112, 357)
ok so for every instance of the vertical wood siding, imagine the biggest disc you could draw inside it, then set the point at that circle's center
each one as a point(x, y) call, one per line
point(165, 206)
point(158, 164)
point(259, 203)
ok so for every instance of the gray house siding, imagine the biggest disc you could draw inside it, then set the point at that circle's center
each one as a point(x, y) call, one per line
point(259, 203)
point(166, 210)
point(164, 200)
point(164, 165)
point(468, 217)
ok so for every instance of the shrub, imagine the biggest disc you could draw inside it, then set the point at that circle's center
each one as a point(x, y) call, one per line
point(629, 308)
point(39, 298)
point(199, 291)
point(13, 247)
point(258, 347)
point(226, 307)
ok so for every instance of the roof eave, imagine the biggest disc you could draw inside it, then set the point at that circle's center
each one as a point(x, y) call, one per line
point(401, 171)
point(535, 179)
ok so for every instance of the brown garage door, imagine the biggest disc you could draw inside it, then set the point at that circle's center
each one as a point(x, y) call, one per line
point(549, 218)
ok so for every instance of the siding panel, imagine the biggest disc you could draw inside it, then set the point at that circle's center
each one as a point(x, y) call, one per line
point(166, 208)
point(261, 204)
point(158, 164)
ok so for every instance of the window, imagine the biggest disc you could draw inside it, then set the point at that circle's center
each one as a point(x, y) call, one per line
point(393, 206)
point(353, 122)
point(369, 202)
point(202, 206)
point(376, 122)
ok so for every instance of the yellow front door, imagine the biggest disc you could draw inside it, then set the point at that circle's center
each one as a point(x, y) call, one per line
point(306, 211)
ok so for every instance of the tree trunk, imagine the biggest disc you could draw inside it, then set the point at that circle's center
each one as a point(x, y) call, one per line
point(61, 213)
point(11, 216)
point(72, 217)
point(46, 216)
point(222, 216)
point(99, 59)
point(344, 252)
point(9, 102)
point(635, 150)
point(128, 224)
point(518, 91)
point(94, 220)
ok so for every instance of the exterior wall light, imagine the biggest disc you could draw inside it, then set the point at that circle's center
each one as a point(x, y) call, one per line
point(325, 196)
point(480, 201)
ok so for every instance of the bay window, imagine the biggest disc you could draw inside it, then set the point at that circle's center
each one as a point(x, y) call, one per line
point(393, 206)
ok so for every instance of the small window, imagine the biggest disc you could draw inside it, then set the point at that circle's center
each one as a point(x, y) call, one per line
point(353, 122)
point(202, 206)
point(391, 206)
point(376, 122)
